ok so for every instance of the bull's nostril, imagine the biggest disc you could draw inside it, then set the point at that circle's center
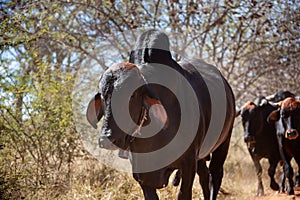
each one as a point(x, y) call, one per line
point(249, 139)
point(292, 134)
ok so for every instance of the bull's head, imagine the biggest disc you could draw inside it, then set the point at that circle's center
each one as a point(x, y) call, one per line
point(287, 118)
point(249, 121)
point(114, 99)
point(254, 120)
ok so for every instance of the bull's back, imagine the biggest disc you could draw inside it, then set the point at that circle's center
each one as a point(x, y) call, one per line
point(216, 104)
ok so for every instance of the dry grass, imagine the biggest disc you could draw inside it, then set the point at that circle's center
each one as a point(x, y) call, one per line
point(91, 180)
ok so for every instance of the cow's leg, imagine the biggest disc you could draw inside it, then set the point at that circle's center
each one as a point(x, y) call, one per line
point(149, 193)
point(287, 168)
point(297, 181)
point(177, 178)
point(188, 175)
point(203, 174)
point(289, 173)
point(271, 173)
point(258, 168)
point(216, 168)
point(282, 183)
point(283, 177)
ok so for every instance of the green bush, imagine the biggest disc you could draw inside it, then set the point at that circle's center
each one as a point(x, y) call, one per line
point(38, 138)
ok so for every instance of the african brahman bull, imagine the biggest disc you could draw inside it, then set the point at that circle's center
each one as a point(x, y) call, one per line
point(156, 104)
point(153, 46)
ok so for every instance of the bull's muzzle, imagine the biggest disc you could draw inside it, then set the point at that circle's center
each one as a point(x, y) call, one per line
point(106, 141)
point(291, 134)
point(250, 141)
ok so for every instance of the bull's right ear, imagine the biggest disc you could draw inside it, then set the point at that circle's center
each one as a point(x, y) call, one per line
point(274, 116)
point(94, 111)
point(156, 109)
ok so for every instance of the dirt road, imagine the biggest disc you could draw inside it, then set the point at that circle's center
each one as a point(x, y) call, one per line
point(271, 195)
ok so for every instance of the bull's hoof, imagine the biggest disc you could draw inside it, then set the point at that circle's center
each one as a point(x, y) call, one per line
point(290, 191)
point(274, 186)
point(281, 190)
point(260, 190)
point(297, 182)
point(260, 193)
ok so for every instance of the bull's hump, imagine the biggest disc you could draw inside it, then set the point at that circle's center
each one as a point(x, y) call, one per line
point(122, 66)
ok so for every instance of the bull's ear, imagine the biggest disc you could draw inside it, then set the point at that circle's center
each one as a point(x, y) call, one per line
point(156, 109)
point(274, 116)
point(263, 102)
point(94, 111)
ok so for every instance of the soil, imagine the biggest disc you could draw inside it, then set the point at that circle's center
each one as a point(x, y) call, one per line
point(271, 195)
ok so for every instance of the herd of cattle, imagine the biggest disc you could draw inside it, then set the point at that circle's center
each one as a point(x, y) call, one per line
point(271, 124)
point(271, 130)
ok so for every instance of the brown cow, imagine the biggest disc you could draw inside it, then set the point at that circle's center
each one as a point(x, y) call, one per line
point(260, 137)
point(287, 123)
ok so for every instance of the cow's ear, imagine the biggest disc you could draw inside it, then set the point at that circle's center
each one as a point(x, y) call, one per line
point(274, 116)
point(94, 111)
point(156, 109)
point(263, 102)
point(237, 112)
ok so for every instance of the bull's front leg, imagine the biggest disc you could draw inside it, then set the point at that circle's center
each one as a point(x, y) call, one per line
point(287, 168)
point(258, 168)
point(204, 178)
point(149, 193)
point(289, 173)
point(271, 173)
point(216, 168)
point(282, 182)
point(188, 175)
point(297, 182)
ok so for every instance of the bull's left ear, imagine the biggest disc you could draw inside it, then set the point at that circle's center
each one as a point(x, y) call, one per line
point(94, 111)
point(274, 116)
point(156, 109)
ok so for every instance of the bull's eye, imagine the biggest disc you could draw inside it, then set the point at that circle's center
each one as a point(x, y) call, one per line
point(284, 115)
